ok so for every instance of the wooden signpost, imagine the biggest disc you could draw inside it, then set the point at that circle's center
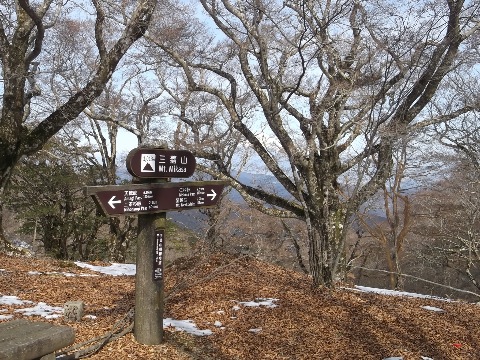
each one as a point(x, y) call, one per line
point(150, 198)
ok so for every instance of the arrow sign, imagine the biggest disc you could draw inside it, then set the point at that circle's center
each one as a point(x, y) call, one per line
point(160, 163)
point(112, 202)
point(151, 198)
point(212, 195)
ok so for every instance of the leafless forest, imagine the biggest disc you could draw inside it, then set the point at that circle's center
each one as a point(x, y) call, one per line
point(348, 131)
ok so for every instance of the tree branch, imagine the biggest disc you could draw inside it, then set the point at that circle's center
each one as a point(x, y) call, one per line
point(134, 30)
point(37, 48)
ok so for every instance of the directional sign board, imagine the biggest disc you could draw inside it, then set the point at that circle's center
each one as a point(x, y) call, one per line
point(155, 197)
point(160, 163)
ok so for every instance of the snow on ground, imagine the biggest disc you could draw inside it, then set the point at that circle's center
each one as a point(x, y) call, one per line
point(432, 308)
point(395, 293)
point(50, 312)
point(39, 309)
point(267, 302)
point(403, 293)
point(43, 310)
point(12, 300)
point(67, 274)
point(185, 325)
point(114, 269)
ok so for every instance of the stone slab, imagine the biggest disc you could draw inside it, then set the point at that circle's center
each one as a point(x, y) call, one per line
point(28, 340)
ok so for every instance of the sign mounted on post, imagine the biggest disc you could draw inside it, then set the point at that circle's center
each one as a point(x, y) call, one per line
point(158, 250)
point(160, 163)
point(155, 197)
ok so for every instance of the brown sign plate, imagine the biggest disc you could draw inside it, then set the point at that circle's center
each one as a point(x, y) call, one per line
point(160, 163)
point(157, 197)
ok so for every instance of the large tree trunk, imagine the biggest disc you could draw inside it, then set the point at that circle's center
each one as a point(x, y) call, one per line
point(326, 266)
point(327, 245)
point(4, 243)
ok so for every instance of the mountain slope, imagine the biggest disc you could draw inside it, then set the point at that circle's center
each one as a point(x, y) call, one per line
point(254, 310)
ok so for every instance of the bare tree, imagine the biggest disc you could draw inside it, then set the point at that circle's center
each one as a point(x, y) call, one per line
point(24, 127)
point(392, 232)
point(335, 84)
point(204, 129)
point(450, 227)
point(452, 211)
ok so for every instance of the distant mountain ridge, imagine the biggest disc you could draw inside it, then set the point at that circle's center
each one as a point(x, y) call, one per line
point(196, 221)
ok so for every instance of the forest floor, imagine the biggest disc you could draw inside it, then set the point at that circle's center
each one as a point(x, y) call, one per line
point(215, 292)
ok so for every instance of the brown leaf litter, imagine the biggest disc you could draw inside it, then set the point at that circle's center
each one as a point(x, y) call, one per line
point(304, 324)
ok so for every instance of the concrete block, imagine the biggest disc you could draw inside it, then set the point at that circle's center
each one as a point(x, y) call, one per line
point(73, 310)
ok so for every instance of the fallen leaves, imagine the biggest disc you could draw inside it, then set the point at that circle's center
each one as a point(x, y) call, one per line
point(305, 324)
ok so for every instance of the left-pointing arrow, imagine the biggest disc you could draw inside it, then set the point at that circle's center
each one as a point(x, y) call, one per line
point(112, 202)
point(150, 198)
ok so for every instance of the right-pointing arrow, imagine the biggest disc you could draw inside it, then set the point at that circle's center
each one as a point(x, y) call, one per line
point(112, 202)
point(212, 195)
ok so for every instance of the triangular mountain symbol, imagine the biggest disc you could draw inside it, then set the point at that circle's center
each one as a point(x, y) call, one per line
point(147, 167)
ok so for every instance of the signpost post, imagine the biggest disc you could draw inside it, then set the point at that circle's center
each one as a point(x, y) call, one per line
point(150, 199)
point(149, 290)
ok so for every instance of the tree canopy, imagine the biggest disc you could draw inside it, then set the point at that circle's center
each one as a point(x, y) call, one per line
point(34, 43)
point(334, 86)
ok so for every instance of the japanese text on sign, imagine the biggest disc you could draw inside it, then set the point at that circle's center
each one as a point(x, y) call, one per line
point(158, 163)
point(158, 255)
point(152, 198)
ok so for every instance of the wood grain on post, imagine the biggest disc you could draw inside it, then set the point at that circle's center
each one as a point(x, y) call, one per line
point(149, 303)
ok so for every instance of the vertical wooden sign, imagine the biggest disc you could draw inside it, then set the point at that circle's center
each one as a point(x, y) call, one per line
point(158, 251)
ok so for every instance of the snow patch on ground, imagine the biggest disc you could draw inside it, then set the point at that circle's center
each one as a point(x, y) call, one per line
point(188, 326)
point(5, 317)
point(185, 325)
point(114, 269)
point(43, 310)
point(50, 312)
point(40, 309)
point(367, 289)
point(13, 300)
point(267, 302)
point(432, 308)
